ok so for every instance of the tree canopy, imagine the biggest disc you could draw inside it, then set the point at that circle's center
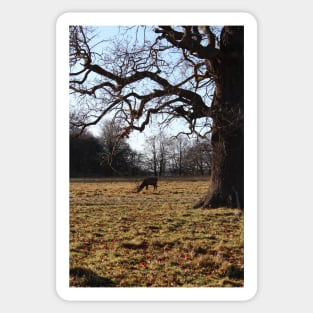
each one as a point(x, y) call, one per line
point(144, 72)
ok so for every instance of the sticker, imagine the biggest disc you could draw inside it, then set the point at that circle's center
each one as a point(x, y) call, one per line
point(156, 156)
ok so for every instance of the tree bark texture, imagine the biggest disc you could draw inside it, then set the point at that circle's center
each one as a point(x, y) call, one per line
point(227, 179)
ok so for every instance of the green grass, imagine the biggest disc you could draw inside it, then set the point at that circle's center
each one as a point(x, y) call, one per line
point(152, 239)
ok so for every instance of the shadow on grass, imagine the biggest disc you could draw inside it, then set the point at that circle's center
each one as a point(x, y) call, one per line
point(82, 277)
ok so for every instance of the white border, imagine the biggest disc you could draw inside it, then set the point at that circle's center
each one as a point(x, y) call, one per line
point(62, 156)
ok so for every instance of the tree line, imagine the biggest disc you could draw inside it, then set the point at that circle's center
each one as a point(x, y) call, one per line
point(107, 155)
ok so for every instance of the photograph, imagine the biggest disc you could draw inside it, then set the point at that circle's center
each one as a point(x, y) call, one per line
point(156, 156)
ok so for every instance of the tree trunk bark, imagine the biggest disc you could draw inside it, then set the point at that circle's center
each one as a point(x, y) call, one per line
point(227, 176)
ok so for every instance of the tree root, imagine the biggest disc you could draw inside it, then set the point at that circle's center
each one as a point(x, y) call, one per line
point(216, 200)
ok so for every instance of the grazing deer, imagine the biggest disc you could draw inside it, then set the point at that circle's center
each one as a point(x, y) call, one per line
point(148, 181)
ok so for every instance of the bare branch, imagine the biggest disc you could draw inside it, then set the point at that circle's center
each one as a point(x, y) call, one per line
point(137, 81)
point(190, 40)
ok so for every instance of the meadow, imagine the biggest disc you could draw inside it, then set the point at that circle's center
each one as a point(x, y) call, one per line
point(120, 238)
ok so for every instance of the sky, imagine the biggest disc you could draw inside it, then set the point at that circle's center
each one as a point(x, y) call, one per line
point(106, 34)
point(137, 139)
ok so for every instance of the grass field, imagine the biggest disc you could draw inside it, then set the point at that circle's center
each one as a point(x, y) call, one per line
point(119, 238)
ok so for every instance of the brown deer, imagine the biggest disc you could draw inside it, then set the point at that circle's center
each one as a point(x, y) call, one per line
point(148, 181)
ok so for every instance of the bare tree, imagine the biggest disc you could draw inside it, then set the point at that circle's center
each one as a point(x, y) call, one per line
point(197, 159)
point(157, 153)
point(183, 72)
point(179, 147)
point(116, 152)
point(151, 154)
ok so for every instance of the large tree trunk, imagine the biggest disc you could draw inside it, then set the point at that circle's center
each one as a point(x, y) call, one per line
point(227, 176)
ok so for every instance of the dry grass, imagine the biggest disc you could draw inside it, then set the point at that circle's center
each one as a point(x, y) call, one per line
point(126, 239)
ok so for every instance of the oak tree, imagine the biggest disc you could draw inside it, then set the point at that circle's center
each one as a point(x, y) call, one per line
point(192, 73)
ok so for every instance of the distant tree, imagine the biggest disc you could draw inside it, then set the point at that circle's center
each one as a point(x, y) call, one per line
point(151, 154)
point(84, 153)
point(115, 150)
point(197, 158)
point(136, 165)
point(178, 148)
point(157, 153)
point(116, 155)
point(163, 153)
